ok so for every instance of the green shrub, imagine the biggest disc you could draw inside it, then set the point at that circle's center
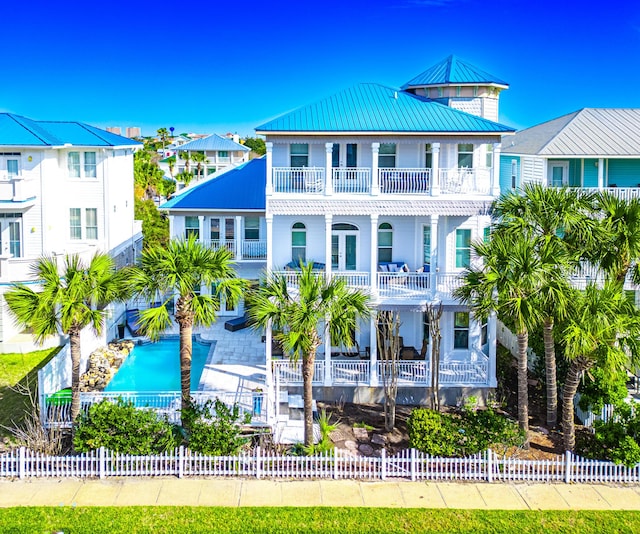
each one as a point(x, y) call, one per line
point(602, 387)
point(214, 428)
point(120, 426)
point(432, 432)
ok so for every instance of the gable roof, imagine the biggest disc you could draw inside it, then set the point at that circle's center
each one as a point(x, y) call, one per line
point(453, 70)
point(241, 188)
point(16, 130)
point(212, 143)
point(589, 132)
point(370, 107)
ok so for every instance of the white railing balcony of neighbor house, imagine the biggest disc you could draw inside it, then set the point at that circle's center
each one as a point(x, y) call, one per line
point(254, 249)
point(351, 180)
point(288, 372)
point(298, 179)
point(405, 181)
point(15, 188)
point(465, 180)
point(215, 244)
point(623, 193)
point(403, 285)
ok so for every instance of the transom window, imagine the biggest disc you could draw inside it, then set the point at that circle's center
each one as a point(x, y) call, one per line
point(463, 248)
point(461, 330)
point(387, 156)
point(385, 243)
point(192, 226)
point(299, 243)
point(299, 154)
point(465, 155)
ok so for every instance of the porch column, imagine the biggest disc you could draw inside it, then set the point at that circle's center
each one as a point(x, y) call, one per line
point(201, 228)
point(435, 169)
point(495, 170)
point(172, 232)
point(375, 184)
point(434, 269)
point(328, 221)
point(491, 338)
point(328, 379)
point(373, 352)
point(238, 236)
point(373, 283)
point(601, 173)
point(269, 164)
point(328, 171)
point(268, 374)
point(269, 221)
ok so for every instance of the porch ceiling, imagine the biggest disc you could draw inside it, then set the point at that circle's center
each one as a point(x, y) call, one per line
point(317, 206)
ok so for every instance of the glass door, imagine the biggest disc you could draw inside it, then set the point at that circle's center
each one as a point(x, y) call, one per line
point(11, 237)
point(558, 174)
point(344, 247)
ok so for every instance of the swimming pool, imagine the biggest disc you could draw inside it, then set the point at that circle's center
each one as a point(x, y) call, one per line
point(156, 367)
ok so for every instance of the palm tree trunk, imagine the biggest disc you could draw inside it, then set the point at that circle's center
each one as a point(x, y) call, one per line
point(308, 361)
point(550, 367)
point(523, 385)
point(74, 344)
point(570, 389)
point(186, 330)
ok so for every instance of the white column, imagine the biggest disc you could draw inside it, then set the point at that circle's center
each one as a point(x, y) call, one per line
point(373, 351)
point(238, 236)
point(328, 379)
point(328, 221)
point(373, 267)
point(269, 163)
point(268, 373)
point(269, 221)
point(434, 269)
point(171, 227)
point(201, 228)
point(375, 184)
point(491, 338)
point(328, 171)
point(601, 173)
point(495, 170)
point(435, 169)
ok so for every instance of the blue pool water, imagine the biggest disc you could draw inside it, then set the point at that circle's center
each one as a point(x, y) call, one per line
point(156, 367)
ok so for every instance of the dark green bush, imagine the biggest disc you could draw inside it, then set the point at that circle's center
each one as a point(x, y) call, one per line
point(120, 426)
point(214, 428)
point(602, 387)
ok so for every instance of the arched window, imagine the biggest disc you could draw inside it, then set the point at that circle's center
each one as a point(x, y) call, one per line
point(385, 243)
point(299, 243)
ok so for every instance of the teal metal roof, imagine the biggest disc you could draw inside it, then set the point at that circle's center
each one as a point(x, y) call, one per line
point(21, 131)
point(370, 107)
point(453, 70)
point(212, 143)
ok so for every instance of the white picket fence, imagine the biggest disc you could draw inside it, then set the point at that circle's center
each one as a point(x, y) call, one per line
point(409, 464)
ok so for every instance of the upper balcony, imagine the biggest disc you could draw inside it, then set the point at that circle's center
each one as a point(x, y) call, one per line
point(383, 181)
point(15, 188)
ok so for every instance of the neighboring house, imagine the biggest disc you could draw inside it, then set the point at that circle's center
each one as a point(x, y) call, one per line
point(171, 148)
point(65, 187)
point(387, 188)
point(227, 211)
point(591, 148)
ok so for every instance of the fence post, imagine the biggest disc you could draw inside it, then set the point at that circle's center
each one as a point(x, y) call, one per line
point(489, 465)
point(22, 463)
point(413, 465)
point(181, 461)
point(101, 463)
point(383, 464)
point(336, 454)
point(567, 467)
point(258, 462)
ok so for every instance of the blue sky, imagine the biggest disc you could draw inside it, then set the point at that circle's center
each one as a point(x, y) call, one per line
point(223, 66)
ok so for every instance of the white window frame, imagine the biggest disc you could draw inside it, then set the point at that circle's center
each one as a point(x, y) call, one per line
point(388, 229)
point(82, 168)
point(81, 231)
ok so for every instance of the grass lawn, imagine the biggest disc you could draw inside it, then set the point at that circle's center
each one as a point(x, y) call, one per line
point(322, 520)
point(18, 371)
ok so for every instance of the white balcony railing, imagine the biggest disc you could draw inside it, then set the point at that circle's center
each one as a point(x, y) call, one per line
point(465, 180)
point(355, 279)
point(405, 181)
point(288, 372)
point(623, 193)
point(346, 372)
point(16, 188)
point(351, 180)
point(298, 179)
point(254, 249)
point(215, 244)
point(403, 285)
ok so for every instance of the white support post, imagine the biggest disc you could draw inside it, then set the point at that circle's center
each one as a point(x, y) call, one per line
point(181, 462)
point(238, 236)
point(489, 465)
point(269, 222)
point(102, 467)
point(373, 268)
point(435, 169)
point(328, 222)
point(328, 170)
point(268, 378)
point(375, 182)
point(201, 228)
point(328, 378)
point(567, 467)
point(601, 173)
point(434, 269)
point(373, 352)
point(269, 164)
point(495, 170)
point(492, 340)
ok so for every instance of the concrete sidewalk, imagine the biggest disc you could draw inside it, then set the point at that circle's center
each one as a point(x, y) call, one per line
point(238, 492)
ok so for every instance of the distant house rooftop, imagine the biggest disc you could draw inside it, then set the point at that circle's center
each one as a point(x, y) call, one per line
point(212, 143)
point(454, 71)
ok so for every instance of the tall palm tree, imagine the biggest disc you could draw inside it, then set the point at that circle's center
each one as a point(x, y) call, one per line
point(602, 329)
point(163, 133)
point(199, 158)
point(67, 302)
point(557, 214)
point(509, 281)
point(300, 316)
point(186, 156)
point(182, 268)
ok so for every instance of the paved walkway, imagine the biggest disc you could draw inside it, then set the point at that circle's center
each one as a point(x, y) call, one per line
point(238, 492)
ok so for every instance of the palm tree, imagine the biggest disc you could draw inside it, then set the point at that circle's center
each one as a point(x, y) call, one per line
point(557, 214)
point(509, 282)
point(66, 303)
point(299, 316)
point(163, 133)
point(186, 156)
point(602, 329)
point(182, 268)
point(199, 158)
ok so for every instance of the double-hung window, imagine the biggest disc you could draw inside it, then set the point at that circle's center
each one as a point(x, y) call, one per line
point(489, 156)
point(90, 165)
point(426, 245)
point(90, 228)
point(461, 330)
point(192, 226)
point(91, 223)
point(465, 155)
point(73, 161)
point(385, 243)
point(463, 248)
point(82, 164)
point(251, 228)
point(387, 156)
point(299, 154)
